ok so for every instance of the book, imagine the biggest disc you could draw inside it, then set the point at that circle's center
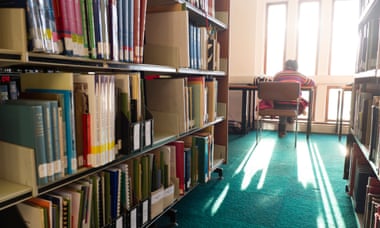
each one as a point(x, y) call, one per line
point(114, 30)
point(136, 30)
point(180, 164)
point(120, 29)
point(130, 34)
point(83, 25)
point(76, 204)
point(114, 188)
point(57, 83)
point(91, 29)
point(212, 99)
point(199, 101)
point(202, 143)
point(33, 215)
point(143, 8)
point(188, 162)
point(51, 131)
point(57, 123)
point(99, 39)
point(23, 125)
point(105, 30)
point(82, 125)
point(125, 188)
point(58, 202)
point(47, 205)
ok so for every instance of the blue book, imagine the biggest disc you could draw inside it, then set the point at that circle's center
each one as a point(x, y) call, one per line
point(68, 114)
point(115, 192)
point(130, 30)
point(120, 27)
point(98, 29)
point(48, 132)
point(23, 125)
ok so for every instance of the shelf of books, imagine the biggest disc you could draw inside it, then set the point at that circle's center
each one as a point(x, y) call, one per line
point(110, 111)
point(362, 163)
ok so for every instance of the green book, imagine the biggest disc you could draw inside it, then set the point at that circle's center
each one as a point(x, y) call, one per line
point(23, 125)
point(50, 120)
point(90, 29)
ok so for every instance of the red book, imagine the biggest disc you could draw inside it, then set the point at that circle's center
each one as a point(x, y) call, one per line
point(86, 121)
point(180, 164)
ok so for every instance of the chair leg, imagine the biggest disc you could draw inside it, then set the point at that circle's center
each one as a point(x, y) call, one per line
point(258, 128)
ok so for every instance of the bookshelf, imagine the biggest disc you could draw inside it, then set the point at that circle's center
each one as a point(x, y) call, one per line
point(363, 149)
point(17, 58)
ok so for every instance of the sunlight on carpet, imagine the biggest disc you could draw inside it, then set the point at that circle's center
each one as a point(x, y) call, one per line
point(331, 211)
point(257, 161)
point(274, 184)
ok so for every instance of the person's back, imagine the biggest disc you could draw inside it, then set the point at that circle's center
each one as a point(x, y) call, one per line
point(290, 74)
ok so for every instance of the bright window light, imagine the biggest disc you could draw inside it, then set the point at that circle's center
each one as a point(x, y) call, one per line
point(308, 27)
point(276, 32)
point(344, 37)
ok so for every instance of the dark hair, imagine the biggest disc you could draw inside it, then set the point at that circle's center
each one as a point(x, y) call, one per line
point(291, 65)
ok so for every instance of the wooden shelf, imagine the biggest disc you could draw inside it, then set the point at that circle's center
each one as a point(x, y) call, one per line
point(12, 193)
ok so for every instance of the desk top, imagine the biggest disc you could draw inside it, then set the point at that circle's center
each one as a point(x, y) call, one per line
point(249, 86)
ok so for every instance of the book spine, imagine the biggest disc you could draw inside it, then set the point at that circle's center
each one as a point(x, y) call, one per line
point(86, 120)
point(143, 7)
point(66, 28)
point(131, 30)
point(126, 28)
point(91, 29)
point(104, 19)
point(56, 143)
point(114, 30)
point(52, 35)
point(84, 27)
point(98, 29)
point(78, 28)
point(70, 14)
point(35, 27)
point(136, 30)
point(59, 25)
point(40, 147)
point(120, 26)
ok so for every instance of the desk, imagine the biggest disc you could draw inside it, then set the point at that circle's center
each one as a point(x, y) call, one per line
point(249, 91)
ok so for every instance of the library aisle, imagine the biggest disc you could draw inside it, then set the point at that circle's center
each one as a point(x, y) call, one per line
point(274, 185)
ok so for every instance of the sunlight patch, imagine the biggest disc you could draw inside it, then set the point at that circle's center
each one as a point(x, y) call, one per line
point(331, 212)
point(219, 200)
point(304, 166)
point(259, 160)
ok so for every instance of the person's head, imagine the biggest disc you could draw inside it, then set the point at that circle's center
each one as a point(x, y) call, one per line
point(291, 65)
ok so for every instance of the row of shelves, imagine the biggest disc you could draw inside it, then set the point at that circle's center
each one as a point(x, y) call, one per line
point(29, 60)
point(16, 57)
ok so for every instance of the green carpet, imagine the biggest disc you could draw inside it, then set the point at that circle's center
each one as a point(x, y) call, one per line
point(273, 185)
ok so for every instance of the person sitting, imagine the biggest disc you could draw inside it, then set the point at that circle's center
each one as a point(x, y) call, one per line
point(290, 74)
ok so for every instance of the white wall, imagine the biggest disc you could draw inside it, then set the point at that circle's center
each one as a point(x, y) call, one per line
point(247, 46)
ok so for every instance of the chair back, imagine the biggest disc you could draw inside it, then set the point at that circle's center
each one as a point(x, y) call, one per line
point(279, 91)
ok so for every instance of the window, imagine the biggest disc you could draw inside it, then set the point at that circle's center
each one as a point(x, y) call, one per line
point(344, 37)
point(308, 27)
point(335, 98)
point(275, 42)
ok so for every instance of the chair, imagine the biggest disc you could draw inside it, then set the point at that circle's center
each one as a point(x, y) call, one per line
point(278, 91)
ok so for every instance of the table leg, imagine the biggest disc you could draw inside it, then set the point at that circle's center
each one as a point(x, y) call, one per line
point(243, 112)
